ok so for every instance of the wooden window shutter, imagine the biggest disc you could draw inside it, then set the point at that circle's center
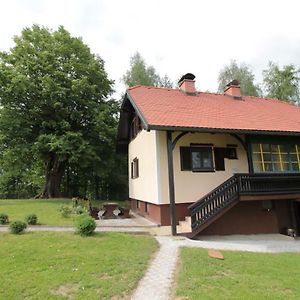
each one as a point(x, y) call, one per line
point(137, 168)
point(185, 159)
point(219, 158)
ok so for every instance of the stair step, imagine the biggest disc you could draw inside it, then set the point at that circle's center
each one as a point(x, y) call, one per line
point(185, 226)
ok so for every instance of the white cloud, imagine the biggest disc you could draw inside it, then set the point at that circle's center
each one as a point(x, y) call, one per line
point(173, 36)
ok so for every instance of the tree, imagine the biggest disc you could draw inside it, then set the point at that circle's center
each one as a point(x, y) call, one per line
point(53, 95)
point(282, 83)
point(141, 74)
point(165, 82)
point(242, 73)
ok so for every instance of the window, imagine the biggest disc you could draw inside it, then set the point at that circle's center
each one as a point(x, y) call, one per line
point(276, 157)
point(135, 127)
point(135, 168)
point(202, 159)
point(197, 159)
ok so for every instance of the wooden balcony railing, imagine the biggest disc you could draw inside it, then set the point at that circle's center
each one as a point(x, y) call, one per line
point(270, 184)
point(241, 184)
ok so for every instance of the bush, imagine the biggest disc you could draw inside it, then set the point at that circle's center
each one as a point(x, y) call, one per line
point(4, 219)
point(17, 227)
point(86, 203)
point(85, 225)
point(31, 219)
point(80, 210)
point(65, 211)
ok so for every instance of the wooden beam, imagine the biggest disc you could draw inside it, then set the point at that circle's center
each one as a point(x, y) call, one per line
point(171, 183)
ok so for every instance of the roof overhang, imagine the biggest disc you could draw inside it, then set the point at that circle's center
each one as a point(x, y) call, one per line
point(129, 109)
point(222, 130)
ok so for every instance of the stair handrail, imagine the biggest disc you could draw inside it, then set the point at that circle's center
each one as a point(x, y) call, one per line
point(239, 184)
point(218, 188)
point(212, 203)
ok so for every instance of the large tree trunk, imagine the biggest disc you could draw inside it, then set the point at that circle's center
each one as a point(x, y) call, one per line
point(54, 172)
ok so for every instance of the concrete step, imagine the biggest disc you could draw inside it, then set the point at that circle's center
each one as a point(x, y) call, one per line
point(185, 226)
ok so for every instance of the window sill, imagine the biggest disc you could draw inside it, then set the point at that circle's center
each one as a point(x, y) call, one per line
point(203, 171)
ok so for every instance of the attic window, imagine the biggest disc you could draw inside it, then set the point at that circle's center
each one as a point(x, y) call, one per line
point(135, 127)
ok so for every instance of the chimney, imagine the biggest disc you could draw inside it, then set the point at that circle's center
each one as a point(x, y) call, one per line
point(187, 84)
point(233, 89)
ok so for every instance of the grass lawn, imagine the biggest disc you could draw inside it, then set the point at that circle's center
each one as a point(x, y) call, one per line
point(45, 209)
point(53, 265)
point(241, 275)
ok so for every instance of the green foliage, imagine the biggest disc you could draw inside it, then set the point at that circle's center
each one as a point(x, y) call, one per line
point(85, 225)
point(65, 211)
point(165, 82)
point(17, 227)
point(242, 73)
point(31, 219)
point(56, 124)
point(141, 74)
point(282, 83)
point(84, 203)
point(4, 219)
point(80, 210)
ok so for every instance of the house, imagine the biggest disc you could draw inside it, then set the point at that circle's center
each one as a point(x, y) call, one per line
point(216, 163)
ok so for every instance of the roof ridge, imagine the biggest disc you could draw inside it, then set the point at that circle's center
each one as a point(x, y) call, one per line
point(273, 99)
point(134, 87)
point(212, 93)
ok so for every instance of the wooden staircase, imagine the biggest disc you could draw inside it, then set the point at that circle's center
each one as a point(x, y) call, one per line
point(212, 206)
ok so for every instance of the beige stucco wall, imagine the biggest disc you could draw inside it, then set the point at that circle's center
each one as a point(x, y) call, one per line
point(191, 186)
point(145, 187)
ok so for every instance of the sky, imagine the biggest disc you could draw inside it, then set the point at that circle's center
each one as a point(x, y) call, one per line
point(176, 37)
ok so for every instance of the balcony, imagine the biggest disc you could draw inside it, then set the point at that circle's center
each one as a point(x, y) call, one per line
point(226, 195)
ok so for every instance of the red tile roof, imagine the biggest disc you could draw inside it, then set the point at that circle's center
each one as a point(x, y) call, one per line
point(173, 108)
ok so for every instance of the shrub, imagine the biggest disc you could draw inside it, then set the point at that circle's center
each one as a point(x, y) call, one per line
point(65, 211)
point(86, 203)
point(79, 210)
point(17, 227)
point(31, 219)
point(85, 225)
point(4, 219)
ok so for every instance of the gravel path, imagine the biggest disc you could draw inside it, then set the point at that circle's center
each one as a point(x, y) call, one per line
point(71, 229)
point(157, 282)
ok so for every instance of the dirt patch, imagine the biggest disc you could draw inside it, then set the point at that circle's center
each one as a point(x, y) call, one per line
point(288, 291)
point(104, 276)
point(66, 290)
point(222, 273)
